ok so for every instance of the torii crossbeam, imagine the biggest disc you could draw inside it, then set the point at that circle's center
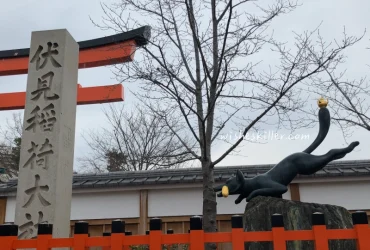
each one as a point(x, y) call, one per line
point(98, 52)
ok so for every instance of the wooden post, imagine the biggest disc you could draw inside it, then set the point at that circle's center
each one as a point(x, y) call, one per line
point(81, 232)
point(128, 247)
point(360, 222)
point(237, 232)
point(294, 192)
point(106, 234)
point(319, 231)
point(278, 236)
point(169, 231)
point(44, 233)
point(196, 233)
point(8, 234)
point(143, 220)
point(2, 209)
point(155, 234)
point(117, 235)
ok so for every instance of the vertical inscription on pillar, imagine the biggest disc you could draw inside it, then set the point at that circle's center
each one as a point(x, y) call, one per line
point(40, 120)
point(52, 73)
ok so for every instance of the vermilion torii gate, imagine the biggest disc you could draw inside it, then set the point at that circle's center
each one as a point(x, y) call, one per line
point(98, 52)
point(44, 189)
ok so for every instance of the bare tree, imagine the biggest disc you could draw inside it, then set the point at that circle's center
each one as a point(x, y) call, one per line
point(133, 141)
point(201, 67)
point(350, 100)
point(10, 144)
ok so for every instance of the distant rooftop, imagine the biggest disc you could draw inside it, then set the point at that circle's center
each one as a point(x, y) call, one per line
point(194, 175)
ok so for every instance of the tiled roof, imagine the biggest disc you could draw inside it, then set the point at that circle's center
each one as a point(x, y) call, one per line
point(194, 175)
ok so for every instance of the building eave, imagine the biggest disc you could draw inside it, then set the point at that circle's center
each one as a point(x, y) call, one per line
point(359, 168)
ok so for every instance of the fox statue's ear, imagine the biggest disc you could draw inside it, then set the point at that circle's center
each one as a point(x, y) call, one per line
point(239, 176)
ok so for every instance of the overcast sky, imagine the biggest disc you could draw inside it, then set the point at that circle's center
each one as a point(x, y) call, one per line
point(18, 18)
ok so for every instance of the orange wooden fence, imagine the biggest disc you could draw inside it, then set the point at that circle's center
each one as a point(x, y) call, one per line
point(118, 239)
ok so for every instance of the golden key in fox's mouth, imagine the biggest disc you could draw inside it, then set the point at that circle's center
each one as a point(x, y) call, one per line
point(225, 191)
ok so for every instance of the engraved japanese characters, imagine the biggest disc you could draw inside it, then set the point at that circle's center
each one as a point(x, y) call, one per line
point(45, 178)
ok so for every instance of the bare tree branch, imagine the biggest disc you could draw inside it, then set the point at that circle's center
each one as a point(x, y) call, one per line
point(134, 141)
point(202, 74)
point(10, 140)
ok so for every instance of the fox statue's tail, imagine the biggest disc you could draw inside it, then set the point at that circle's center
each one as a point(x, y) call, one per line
point(324, 121)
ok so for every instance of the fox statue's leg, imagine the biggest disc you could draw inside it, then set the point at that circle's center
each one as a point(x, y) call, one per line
point(239, 199)
point(271, 189)
point(310, 164)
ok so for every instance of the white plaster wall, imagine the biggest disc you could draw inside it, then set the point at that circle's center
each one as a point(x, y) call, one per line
point(107, 205)
point(182, 202)
point(85, 206)
point(10, 210)
point(173, 202)
point(228, 206)
point(350, 195)
point(353, 195)
point(287, 195)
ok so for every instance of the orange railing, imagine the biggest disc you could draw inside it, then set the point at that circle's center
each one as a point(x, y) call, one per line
point(85, 95)
point(118, 239)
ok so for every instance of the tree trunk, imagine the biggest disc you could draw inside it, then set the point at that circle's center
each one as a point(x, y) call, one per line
point(209, 202)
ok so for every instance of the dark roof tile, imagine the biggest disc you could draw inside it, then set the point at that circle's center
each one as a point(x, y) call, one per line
point(177, 178)
point(124, 178)
point(151, 180)
point(90, 182)
point(79, 182)
point(102, 182)
point(332, 171)
point(361, 170)
point(115, 181)
point(140, 180)
point(226, 176)
point(199, 177)
point(250, 175)
point(189, 178)
point(126, 181)
point(164, 179)
point(347, 170)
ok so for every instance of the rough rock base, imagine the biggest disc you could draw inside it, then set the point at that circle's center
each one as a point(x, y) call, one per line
point(297, 216)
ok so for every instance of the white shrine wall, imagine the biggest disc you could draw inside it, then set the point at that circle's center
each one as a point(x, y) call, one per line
point(350, 195)
point(186, 199)
point(95, 205)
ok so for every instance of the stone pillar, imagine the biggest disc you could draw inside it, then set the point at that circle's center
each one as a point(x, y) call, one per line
point(46, 161)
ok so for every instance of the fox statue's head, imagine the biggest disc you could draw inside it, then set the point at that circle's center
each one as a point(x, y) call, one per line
point(234, 185)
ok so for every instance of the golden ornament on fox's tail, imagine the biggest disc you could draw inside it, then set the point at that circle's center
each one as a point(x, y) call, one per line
point(322, 103)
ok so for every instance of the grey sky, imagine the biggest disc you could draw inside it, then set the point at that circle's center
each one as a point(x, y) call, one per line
point(19, 18)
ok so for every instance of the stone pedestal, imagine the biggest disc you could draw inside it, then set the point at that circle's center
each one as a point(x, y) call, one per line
point(297, 216)
point(44, 189)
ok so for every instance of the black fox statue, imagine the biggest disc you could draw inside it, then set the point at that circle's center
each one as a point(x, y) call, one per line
point(274, 182)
